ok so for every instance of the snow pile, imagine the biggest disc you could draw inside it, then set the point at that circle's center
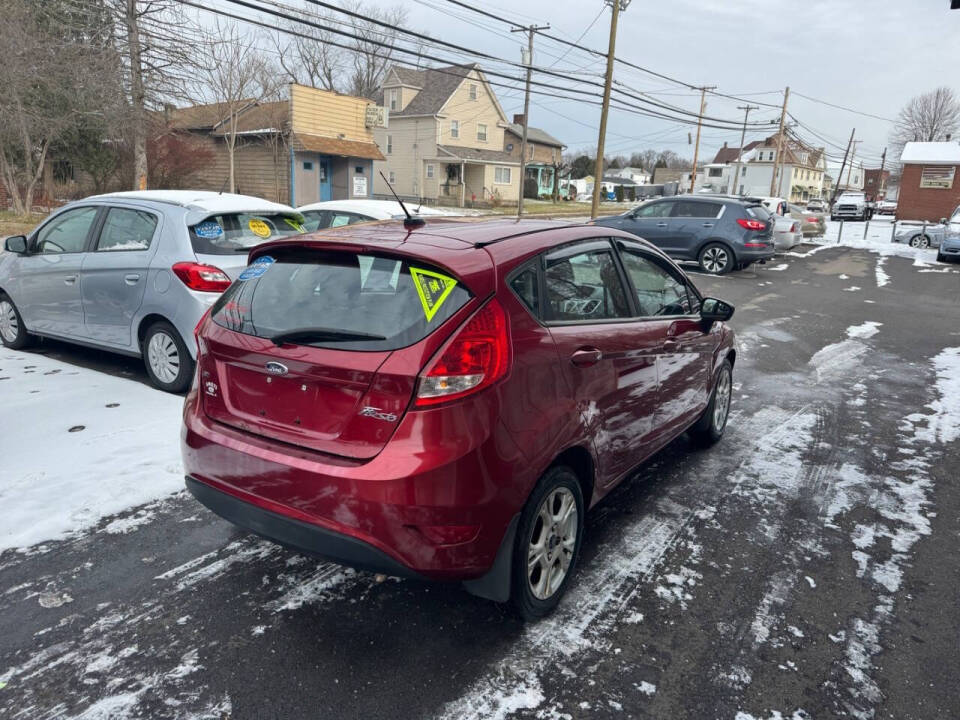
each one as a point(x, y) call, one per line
point(944, 423)
point(79, 445)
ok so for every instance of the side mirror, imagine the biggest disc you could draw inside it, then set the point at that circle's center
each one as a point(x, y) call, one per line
point(713, 310)
point(16, 244)
point(943, 221)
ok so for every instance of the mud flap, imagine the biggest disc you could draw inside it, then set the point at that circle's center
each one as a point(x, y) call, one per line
point(495, 585)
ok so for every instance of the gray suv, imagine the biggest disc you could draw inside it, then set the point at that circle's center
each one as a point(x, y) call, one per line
point(133, 272)
point(720, 232)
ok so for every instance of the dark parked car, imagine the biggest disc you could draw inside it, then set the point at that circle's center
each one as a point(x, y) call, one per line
point(720, 232)
point(447, 401)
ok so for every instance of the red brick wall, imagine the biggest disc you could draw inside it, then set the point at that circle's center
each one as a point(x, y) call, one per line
point(916, 203)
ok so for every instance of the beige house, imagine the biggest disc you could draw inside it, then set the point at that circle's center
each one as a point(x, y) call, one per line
point(316, 145)
point(445, 140)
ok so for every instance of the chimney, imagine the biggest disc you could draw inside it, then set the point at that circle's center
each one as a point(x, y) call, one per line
point(518, 119)
point(949, 135)
point(724, 144)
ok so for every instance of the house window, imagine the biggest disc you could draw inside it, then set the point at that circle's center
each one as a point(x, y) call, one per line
point(392, 177)
point(454, 128)
point(308, 166)
point(394, 99)
point(473, 92)
point(481, 132)
point(937, 177)
point(389, 144)
point(501, 175)
point(430, 171)
point(716, 172)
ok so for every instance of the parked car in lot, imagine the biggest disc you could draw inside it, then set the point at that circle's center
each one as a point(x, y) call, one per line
point(919, 235)
point(335, 213)
point(721, 232)
point(813, 224)
point(447, 401)
point(133, 272)
point(786, 233)
point(886, 207)
point(851, 206)
point(816, 205)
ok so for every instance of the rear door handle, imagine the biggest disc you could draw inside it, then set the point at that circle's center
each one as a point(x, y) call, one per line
point(70, 279)
point(585, 357)
point(661, 224)
point(708, 224)
point(131, 279)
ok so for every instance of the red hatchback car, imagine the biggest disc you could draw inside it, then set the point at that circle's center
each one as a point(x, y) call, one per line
point(446, 401)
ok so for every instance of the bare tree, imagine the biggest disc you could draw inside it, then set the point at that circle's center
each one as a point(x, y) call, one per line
point(370, 59)
point(312, 60)
point(929, 117)
point(56, 76)
point(235, 75)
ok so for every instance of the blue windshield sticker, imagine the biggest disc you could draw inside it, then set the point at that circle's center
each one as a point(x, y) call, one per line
point(258, 268)
point(208, 229)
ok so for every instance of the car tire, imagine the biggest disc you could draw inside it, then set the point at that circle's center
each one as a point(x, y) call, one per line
point(940, 257)
point(13, 333)
point(716, 259)
point(166, 358)
point(920, 241)
point(536, 591)
point(708, 429)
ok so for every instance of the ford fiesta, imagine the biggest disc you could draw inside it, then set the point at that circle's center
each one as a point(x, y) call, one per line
point(447, 400)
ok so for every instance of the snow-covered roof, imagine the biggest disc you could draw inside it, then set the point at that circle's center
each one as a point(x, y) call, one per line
point(377, 209)
point(202, 200)
point(931, 153)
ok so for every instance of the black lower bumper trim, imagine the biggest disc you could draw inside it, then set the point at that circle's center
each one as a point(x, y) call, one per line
point(300, 536)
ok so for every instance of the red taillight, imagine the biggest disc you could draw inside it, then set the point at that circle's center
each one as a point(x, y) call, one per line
point(477, 357)
point(751, 224)
point(813, 220)
point(754, 245)
point(793, 228)
point(205, 278)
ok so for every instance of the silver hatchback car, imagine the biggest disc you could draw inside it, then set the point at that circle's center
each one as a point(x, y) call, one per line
point(133, 272)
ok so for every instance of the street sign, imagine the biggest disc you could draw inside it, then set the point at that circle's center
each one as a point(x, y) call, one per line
point(377, 116)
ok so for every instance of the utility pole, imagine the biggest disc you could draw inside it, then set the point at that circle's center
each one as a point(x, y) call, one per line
point(778, 163)
point(836, 185)
point(883, 163)
point(617, 6)
point(853, 154)
point(743, 136)
point(696, 148)
point(528, 61)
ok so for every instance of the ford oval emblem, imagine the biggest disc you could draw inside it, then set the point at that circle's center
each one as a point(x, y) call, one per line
point(275, 368)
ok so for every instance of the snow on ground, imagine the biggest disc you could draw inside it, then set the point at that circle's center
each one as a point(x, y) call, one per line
point(78, 446)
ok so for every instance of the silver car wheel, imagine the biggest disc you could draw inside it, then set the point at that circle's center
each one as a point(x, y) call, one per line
point(9, 324)
point(920, 241)
point(164, 357)
point(552, 543)
point(721, 402)
point(714, 259)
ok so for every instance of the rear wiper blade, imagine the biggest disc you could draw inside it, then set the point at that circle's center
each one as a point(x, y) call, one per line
point(319, 334)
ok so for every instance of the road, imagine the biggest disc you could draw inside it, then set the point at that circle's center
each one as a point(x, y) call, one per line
point(808, 565)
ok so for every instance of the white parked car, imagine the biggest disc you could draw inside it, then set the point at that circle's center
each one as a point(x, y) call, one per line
point(335, 213)
point(787, 232)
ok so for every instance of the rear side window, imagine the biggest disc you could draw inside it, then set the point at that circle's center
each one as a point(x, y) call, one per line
point(584, 287)
point(126, 229)
point(694, 209)
point(340, 300)
point(231, 233)
point(526, 287)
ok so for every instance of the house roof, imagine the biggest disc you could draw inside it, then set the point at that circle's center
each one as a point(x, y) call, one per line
point(477, 154)
point(541, 137)
point(728, 155)
point(336, 146)
point(438, 85)
point(628, 171)
point(262, 117)
point(931, 153)
point(200, 117)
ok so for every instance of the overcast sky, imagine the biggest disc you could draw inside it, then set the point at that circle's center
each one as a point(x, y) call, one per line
point(872, 56)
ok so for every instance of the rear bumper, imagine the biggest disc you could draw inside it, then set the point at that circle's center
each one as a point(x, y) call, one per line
point(300, 536)
point(748, 254)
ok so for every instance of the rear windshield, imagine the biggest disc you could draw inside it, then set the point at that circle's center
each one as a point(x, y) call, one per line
point(340, 300)
point(238, 232)
point(758, 212)
point(321, 219)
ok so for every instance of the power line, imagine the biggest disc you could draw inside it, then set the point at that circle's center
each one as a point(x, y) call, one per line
point(841, 107)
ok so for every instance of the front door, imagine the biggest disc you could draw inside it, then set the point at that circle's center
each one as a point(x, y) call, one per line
point(114, 274)
point(651, 221)
point(692, 222)
point(685, 358)
point(306, 178)
point(49, 292)
point(326, 186)
point(609, 358)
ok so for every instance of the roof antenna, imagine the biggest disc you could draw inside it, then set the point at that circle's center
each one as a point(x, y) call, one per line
point(412, 221)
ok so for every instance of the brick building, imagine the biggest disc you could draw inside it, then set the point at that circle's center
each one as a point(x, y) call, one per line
point(875, 183)
point(929, 183)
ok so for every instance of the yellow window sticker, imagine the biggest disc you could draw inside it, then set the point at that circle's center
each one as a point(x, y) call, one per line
point(433, 288)
point(259, 228)
point(295, 225)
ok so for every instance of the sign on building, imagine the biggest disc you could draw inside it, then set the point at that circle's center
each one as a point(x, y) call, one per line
point(937, 177)
point(377, 116)
point(359, 185)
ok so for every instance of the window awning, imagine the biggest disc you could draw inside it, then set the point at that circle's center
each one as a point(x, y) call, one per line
point(336, 146)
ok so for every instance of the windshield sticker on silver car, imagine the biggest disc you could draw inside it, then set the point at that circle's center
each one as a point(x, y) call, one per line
point(208, 229)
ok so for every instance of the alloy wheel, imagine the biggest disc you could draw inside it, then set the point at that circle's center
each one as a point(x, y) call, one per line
point(552, 543)
point(9, 323)
point(721, 403)
point(164, 358)
point(920, 241)
point(714, 259)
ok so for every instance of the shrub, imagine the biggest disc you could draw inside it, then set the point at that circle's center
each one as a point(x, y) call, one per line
point(618, 193)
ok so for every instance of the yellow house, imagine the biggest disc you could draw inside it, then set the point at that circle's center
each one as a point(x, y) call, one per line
point(445, 139)
point(315, 145)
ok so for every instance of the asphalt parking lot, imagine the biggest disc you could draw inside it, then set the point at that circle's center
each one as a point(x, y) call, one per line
point(805, 567)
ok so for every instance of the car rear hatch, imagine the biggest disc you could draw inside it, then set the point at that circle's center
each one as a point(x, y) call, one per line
point(223, 240)
point(756, 211)
point(322, 348)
